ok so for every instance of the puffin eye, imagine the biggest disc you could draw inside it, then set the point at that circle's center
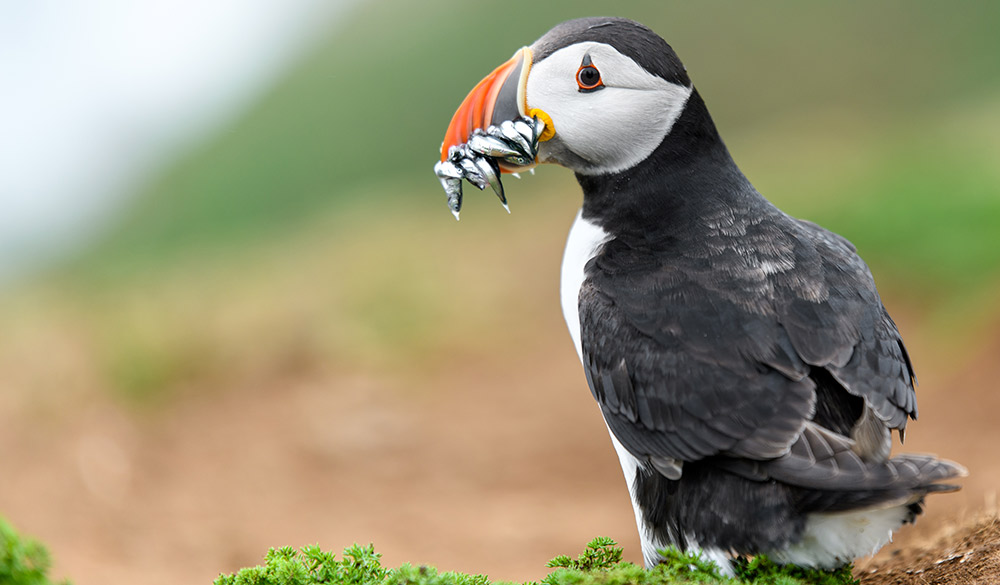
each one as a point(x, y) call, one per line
point(588, 78)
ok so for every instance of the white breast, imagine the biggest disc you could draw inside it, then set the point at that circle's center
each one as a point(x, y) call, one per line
point(585, 239)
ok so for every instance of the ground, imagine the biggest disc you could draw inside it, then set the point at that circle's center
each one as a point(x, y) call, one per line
point(961, 554)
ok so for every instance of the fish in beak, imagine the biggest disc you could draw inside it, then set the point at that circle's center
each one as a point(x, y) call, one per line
point(492, 132)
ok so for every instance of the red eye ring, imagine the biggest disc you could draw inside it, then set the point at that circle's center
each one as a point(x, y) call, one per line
point(588, 78)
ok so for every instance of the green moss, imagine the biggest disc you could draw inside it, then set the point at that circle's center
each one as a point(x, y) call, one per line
point(762, 571)
point(599, 564)
point(287, 566)
point(409, 575)
point(23, 561)
point(601, 553)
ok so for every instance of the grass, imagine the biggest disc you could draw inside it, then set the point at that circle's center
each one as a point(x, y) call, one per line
point(599, 564)
point(312, 230)
point(370, 104)
point(23, 560)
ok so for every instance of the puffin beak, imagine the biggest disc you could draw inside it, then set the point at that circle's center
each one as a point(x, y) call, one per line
point(498, 97)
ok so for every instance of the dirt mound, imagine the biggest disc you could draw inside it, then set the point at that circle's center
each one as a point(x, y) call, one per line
point(963, 555)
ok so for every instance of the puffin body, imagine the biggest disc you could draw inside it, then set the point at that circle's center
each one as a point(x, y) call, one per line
point(743, 362)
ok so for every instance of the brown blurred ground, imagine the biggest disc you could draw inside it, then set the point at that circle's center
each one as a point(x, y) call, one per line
point(487, 454)
point(964, 553)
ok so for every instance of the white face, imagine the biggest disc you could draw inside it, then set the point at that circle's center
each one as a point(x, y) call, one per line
point(608, 130)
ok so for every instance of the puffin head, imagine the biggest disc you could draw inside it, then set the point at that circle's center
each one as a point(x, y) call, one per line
point(608, 89)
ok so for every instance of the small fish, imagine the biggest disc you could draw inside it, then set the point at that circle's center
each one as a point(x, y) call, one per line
point(514, 142)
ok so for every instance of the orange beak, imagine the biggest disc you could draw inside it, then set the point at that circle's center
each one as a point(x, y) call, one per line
point(498, 97)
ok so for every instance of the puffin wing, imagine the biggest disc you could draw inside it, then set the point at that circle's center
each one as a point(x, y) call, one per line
point(840, 324)
point(686, 393)
point(720, 349)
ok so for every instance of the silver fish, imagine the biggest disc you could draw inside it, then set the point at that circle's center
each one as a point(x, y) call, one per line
point(514, 142)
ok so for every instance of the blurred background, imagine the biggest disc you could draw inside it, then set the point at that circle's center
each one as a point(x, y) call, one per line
point(235, 312)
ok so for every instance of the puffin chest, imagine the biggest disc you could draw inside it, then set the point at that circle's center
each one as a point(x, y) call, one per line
point(584, 242)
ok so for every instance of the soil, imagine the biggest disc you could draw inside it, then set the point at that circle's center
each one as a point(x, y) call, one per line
point(967, 554)
point(489, 466)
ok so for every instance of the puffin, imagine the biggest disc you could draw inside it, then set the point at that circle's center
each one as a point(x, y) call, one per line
point(743, 362)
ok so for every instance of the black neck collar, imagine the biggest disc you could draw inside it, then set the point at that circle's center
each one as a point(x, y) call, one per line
point(690, 172)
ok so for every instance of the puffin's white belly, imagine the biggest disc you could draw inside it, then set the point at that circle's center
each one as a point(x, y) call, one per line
point(585, 239)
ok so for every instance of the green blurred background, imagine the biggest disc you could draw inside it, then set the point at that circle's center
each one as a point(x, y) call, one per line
point(307, 242)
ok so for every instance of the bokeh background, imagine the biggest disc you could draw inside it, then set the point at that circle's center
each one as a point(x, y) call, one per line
point(236, 313)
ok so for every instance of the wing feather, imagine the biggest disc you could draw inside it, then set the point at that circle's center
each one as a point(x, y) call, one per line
point(710, 351)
